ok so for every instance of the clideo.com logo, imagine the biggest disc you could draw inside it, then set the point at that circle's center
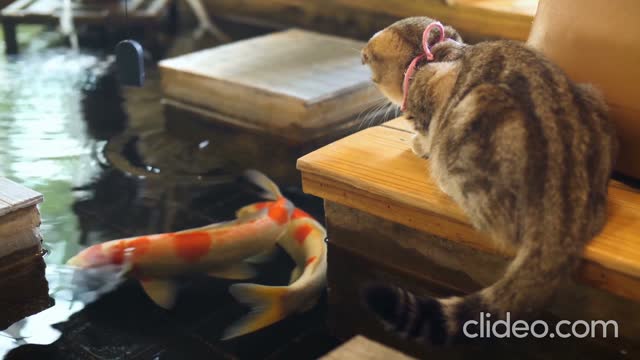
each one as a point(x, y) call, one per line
point(500, 329)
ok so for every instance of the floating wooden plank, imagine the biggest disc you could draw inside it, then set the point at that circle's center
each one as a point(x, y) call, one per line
point(362, 348)
point(291, 79)
point(376, 172)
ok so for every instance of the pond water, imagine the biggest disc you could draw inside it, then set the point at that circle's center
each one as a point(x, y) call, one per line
point(59, 110)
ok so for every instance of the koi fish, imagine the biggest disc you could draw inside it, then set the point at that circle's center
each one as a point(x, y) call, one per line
point(304, 241)
point(217, 249)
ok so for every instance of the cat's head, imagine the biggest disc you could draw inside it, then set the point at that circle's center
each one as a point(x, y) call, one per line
point(390, 51)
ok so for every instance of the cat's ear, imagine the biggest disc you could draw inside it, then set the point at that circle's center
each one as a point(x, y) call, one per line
point(451, 33)
point(448, 50)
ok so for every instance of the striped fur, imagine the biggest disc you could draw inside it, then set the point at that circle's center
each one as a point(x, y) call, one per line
point(526, 152)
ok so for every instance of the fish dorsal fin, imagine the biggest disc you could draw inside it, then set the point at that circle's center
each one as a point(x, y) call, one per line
point(263, 257)
point(161, 291)
point(239, 271)
point(271, 190)
point(248, 210)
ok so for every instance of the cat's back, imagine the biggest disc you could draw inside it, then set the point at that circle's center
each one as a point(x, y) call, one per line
point(506, 55)
point(568, 141)
point(532, 80)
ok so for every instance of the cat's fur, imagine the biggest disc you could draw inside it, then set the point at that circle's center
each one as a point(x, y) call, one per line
point(522, 149)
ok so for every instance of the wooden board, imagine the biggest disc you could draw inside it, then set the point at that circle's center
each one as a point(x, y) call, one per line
point(19, 231)
point(15, 196)
point(364, 248)
point(376, 172)
point(362, 348)
point(291, 79)
point(509, 19)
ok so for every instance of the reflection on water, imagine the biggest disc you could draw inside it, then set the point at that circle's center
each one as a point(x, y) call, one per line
point(43, 142)
point(72, 289)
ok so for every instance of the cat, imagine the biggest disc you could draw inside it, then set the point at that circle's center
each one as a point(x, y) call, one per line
point(523, 150)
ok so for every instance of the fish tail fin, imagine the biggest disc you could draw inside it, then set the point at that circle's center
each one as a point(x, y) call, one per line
point(267, 307)
point(271, 190)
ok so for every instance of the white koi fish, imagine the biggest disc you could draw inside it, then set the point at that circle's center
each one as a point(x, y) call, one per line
point(218, 249)
point(304, 241)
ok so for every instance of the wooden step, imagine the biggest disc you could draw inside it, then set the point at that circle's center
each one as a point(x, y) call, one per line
point(19, 220)
point(293, 83)
point(375, 171)
point(362, 348)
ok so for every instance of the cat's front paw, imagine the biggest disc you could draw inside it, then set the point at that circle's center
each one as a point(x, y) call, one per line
point(420, 145)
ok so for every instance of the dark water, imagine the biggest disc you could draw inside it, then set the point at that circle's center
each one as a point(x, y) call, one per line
point(59, 111)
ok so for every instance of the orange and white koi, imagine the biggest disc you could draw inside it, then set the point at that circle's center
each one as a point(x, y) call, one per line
point(217, 249)
point(304, 241)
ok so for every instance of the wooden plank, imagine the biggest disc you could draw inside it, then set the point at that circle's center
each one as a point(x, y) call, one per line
point(362, 348)
point(291, 136)
point(521, 7)
point(362, 19)
point(396, 186)
point(478, 20)
point(15, 196)
point(293, 78)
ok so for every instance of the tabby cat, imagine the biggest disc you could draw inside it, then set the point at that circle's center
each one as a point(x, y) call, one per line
point(523, 150)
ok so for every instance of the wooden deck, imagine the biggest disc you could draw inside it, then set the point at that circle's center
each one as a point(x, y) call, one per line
point(375, 171)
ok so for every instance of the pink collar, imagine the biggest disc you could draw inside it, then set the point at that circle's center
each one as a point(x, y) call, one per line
point(427, 54)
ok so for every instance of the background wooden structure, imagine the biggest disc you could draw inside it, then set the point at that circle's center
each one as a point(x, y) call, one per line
point(566, 36)
point(362, 18)
point(143, 13)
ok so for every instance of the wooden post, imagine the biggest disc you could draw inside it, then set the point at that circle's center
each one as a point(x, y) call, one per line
point(173, 18)
point(10, 40)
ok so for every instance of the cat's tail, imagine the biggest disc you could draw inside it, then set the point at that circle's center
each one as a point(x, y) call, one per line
point(530, 281)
